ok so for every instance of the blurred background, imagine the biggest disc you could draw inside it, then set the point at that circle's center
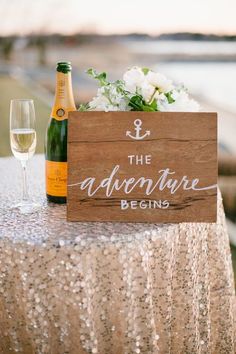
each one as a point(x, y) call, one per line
point(193, 42)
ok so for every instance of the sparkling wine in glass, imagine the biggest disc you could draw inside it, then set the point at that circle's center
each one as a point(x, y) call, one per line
point(23, 144)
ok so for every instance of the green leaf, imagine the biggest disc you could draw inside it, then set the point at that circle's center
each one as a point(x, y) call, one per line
point(101, 77)
point(154, 105)
point(91, 72)
point(147, 108)
point(136, 103)
point(119, 82)
point(169, 97)
point(145, 70)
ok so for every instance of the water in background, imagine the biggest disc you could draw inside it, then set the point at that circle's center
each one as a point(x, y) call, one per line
point(213, 81)
point(207, 68)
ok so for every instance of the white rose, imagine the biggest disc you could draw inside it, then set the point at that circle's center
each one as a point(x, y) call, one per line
point(159, 81)
point(147, 91)
point(133, 79)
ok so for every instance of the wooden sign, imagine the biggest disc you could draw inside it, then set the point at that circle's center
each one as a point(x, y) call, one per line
point(142, 167)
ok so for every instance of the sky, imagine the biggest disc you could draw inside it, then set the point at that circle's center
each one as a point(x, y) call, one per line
point(117, 16)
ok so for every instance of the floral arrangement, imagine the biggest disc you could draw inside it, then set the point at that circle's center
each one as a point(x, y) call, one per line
point(141, 89)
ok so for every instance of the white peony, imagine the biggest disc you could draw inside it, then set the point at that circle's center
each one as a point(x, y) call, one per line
point(133, 79)
point(147, 91)
point(159, 81)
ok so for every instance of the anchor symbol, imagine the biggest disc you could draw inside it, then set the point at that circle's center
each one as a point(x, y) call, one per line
point(138, 129)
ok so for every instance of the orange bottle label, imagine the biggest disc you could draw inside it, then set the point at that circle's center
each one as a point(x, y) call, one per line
point(56, 178)
point(64, 99)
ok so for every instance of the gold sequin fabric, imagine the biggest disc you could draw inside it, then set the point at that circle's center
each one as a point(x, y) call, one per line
point(78, 288)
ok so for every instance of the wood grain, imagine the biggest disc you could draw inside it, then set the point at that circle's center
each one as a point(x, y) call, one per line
point(183, 142)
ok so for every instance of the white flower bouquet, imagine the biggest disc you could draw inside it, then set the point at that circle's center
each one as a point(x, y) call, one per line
point(141, 89)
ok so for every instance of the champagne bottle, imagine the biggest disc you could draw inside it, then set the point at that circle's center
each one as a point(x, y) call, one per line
point(56, 136)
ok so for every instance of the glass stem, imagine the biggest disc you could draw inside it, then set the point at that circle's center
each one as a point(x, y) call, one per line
point(25, 195)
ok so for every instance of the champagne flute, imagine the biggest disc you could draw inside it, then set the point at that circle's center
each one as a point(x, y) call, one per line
point(23, 144)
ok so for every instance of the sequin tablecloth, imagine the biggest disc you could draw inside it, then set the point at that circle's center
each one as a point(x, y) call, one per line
point(106, 288)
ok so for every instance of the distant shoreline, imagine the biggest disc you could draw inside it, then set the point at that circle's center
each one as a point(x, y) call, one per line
point(88, 37)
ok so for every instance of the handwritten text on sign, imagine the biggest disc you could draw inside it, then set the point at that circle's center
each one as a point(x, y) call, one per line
point(144, 167)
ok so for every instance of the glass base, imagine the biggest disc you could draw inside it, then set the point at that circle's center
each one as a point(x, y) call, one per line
point(26, 207)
